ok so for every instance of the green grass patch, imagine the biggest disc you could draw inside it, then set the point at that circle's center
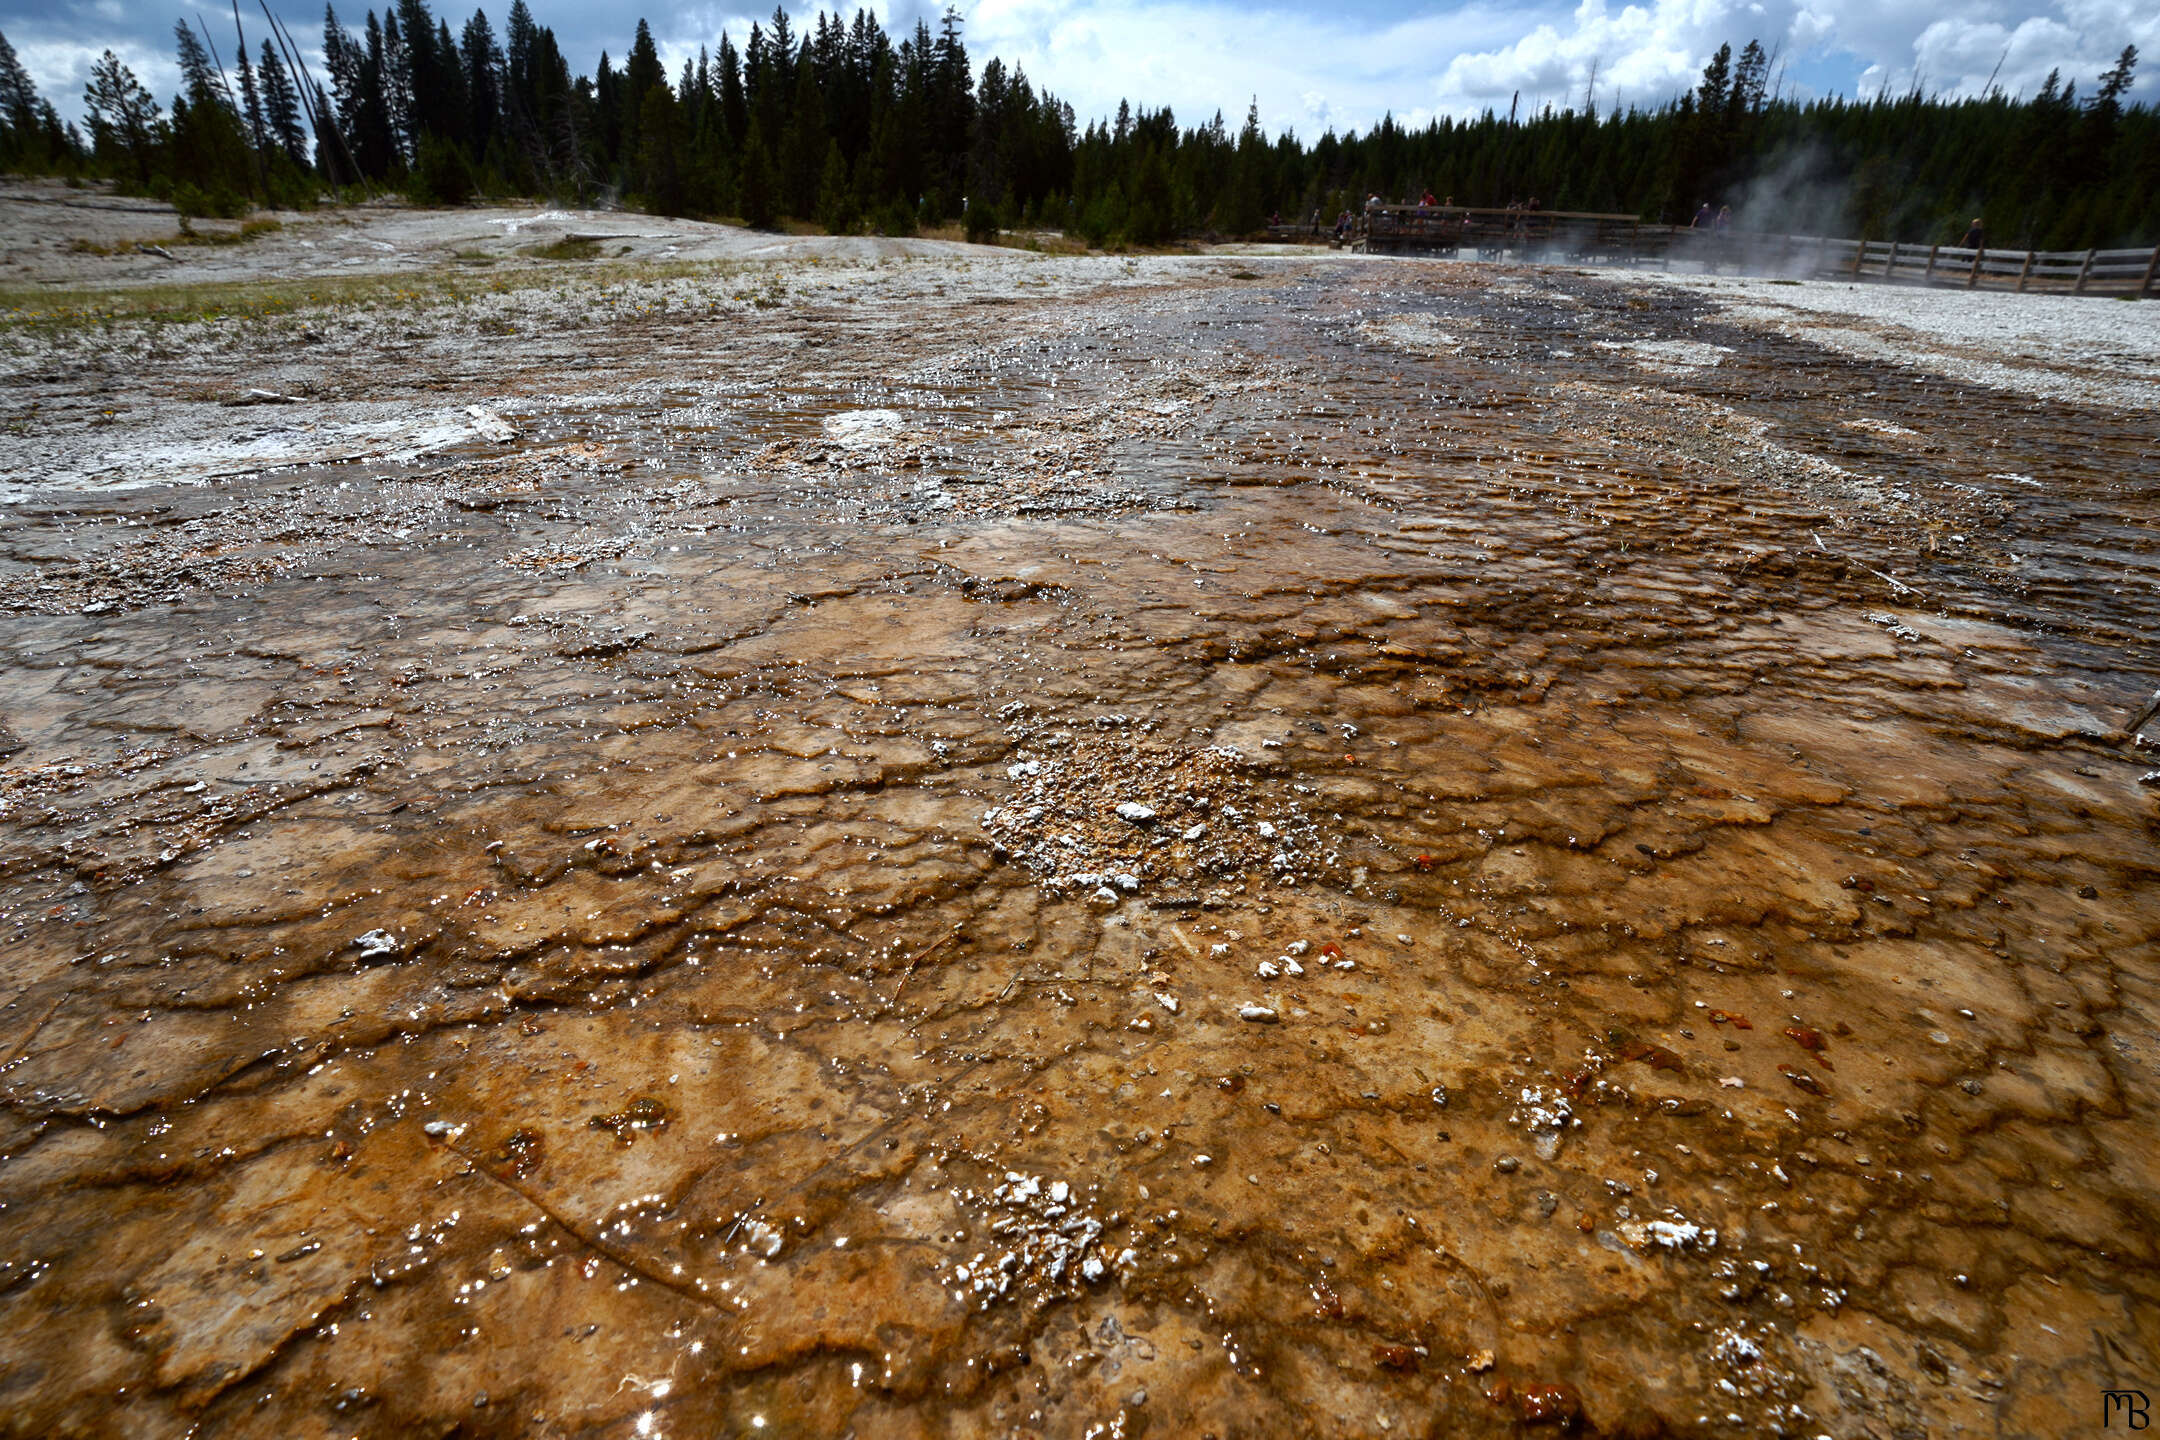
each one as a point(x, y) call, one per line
point(570, 247)
point(85, 306)
point(187, 234)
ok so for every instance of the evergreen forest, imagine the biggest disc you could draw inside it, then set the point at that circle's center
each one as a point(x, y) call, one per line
point(839, 125)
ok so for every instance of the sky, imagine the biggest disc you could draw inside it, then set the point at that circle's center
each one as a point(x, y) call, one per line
point(1309, 65)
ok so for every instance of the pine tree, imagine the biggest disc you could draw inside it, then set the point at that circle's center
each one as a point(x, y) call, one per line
point(802, 149)
point(481, 64)
point(198, 80)
point(21, 139)
point(563, 125)
point(519, 36)
point(123, 116)
point(448, 113)
point(780, 46)
point(1150, 216)
point(390, 51)
point(607, 111)
point(836, 207)
point(952, 106)
point(758, 189)
point(734, 109)
point(364, 112)
point(641, 75)
point(2116, 83)
point(1239, 210)
point(209, 154)
point(1749, 79)
point(251, 102)
point(663, 143)
point(281, 106)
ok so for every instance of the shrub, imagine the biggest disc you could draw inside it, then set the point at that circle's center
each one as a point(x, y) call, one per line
point(442, 177)
point(193, 202)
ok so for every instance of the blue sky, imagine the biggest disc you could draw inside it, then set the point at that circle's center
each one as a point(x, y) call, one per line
point(1310, 64)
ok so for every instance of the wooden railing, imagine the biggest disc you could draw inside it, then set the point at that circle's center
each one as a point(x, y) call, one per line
point(1624, 239)
point(2079, 272)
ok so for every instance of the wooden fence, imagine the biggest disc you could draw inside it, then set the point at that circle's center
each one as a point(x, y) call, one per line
point(1586, 237)
point(2077, 272)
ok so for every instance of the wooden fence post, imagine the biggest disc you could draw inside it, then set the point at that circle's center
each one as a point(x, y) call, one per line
point(2084, 270)
point(1974, 278)
point(1889, 266)
point(2152, 268)
point(1928, 276)
point(2030, 256)
point(1859, 253)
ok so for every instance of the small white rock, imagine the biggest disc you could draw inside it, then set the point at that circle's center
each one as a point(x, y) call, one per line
point(485, 422)
point(376, 943)
point(1137, 813)
point(1258, 1014)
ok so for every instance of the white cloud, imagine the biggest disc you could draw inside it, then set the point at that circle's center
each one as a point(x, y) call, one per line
point(1311, 67)
point(61, 68)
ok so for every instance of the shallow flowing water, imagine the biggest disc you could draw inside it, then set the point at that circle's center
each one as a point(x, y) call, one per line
point(1387, 850)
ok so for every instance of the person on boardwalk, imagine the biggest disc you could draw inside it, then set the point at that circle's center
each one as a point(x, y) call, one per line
point(1702, 217)
point(1723, 224)
point(1975, 236)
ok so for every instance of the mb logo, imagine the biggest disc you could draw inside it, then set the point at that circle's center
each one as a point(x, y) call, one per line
point(2134, 1408)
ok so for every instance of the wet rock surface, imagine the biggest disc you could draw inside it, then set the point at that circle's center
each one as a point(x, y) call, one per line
point(1377, 851)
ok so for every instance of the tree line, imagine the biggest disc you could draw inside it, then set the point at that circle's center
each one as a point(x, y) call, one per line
point(841, 126)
